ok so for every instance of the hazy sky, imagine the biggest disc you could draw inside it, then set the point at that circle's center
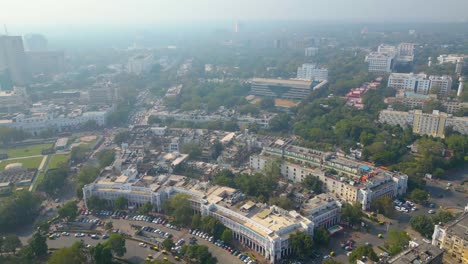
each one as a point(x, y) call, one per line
point(155, 11)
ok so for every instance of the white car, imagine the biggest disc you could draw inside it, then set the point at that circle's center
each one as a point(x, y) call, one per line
point(142, 244)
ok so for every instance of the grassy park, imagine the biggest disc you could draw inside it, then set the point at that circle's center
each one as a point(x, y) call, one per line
point(30, 163)
point(58, 159)
point(25, 151)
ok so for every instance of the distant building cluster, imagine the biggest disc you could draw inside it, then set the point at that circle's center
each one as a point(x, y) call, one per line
point(140, 64)
point(433, 124)
point(388, 56)
point(311, 51)
point(56, 118)
point(413, 100)
point(347, 179)
point(310, 72)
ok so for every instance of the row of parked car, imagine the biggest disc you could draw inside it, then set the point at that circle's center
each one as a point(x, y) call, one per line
point(220, 243)
point(157, 231)
point(404, 206)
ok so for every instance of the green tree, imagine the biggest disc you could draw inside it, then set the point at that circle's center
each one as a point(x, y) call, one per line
point(120, 203)
point(321, 237)
point(198, 252)
point(68, 210)
point(101, 254)
point(226, 236)
point(38, 244)
point(145, 208)
point(178, 206)
point(87, 174)
point(19, 210)
point(302, 244)
point(212, 226)
point(361, 251)
point(168, 243)
point(122, 137)
point(442, 216)
point(79, 154)
point(192, 149)
point(196, 221)
point(105, 157)
point(313, 183)
point(352, 213)
point(96, 203)
point(70, 255)
point(116, 242)
point(397, 240)
point(419, 195)
point(282, 202)
point(11, 243)
point(383, 205)
point(280, 123)
point(423, 224)
point(109, 225)
point(54, 180)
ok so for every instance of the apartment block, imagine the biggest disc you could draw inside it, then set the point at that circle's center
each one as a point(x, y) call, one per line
point(379, 62)
point(278, 88)
point(310, 72)
point(453, 238)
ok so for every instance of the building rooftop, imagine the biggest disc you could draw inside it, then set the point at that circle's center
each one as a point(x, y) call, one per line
point(417, 254)
point(292, 82)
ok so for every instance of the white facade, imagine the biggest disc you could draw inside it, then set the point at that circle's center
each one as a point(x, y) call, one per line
point(425, 124)
point(324, 210)
point(37, 122)
point(387, 49)
point(309, 71)
point(420, 83)
point(379, 62)
point(140, 64)
point(311, 51)
point(451, 58)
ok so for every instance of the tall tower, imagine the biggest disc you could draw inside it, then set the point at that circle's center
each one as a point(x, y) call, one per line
point(13, 58)
point(459, 67)
point(236, 27)
point(429, 62)
point(460, 87)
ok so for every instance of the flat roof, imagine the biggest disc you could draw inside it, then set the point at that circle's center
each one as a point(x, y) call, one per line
point(282, 81)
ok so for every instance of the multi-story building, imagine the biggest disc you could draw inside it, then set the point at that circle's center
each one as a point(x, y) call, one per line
point(349, 180)
point(310, 72)
point(140, 64)
point(379, 62)
point(35, 42)
point(406, 49)
point(13, 58)
point(425, 124)
point(324, 210)
point(453, 238)
point(103, 93)
point(11, 101)
point(39, 121)
point(413, 100)
point(262, 228)
point(395, 118)
point(429, 124)
point(278, 88)
point(441, 84)
point(262, 120)
point(452, 58)
point(387, 49)
point(420, 83)
point(418, 253)
point(417, 83)
point(45, 62)
point(311, 51)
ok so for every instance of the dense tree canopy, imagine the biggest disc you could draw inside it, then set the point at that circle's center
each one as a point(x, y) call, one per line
point(178, 206)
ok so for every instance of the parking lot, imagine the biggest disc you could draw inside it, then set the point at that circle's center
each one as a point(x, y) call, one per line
point(153, 231)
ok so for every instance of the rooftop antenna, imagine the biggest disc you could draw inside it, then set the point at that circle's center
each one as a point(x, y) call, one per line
point(5, 27)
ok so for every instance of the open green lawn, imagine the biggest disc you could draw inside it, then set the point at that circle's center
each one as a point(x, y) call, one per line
point(30, 163)
point(25, 151)
point(57, 159)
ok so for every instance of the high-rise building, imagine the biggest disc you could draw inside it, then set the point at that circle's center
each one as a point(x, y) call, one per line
point(379, 62)
point(35, 42)
point(406, 49)
point(460, 87)
point(311, 51)
point(387, 49)
point(140, 64)
point(440, 84)
point(310, 72)
point(13, 58)
point(46, 62)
